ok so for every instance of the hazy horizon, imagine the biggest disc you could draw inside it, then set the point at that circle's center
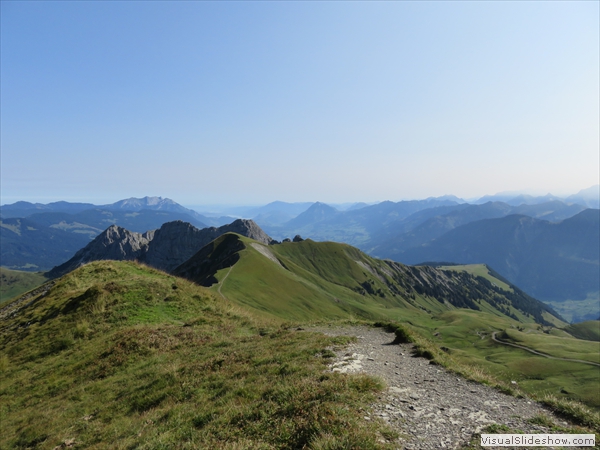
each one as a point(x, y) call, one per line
point(195, 206)
point(246, 102)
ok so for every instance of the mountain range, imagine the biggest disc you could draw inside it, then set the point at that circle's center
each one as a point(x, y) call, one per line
point(557, 270)
point(179, 336)
point(26, 209)
point(118, 354)
point(37, 237)
point(304, 275)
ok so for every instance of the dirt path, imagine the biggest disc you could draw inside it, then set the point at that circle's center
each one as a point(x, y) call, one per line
point(223, 281)
point(429, 407)
point(495, 339)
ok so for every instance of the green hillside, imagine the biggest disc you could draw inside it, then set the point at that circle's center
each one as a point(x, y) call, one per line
point(116, 354)
point(119, 355)
point(480, 270)
point(589, 330)
point(15, 282)
point(307, 280)
point(458, 309)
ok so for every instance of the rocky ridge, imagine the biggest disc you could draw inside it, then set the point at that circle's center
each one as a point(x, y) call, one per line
point(165, 249)
point(114, 243)
point(429, 407)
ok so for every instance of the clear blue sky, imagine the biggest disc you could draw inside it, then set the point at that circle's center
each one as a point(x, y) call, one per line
point(250, 102)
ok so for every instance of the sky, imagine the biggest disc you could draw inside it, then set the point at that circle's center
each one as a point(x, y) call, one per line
point(251, 102)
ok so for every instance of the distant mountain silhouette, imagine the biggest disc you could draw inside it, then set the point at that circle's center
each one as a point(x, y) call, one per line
point(589, 197)
point(355, 226)
point(26, 209)
point(318, 212)
point(414, 231)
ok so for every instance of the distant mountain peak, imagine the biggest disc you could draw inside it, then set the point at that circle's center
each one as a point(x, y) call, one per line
point(317, 212)
point(134, 203)
point(321, 205)
point(450, 198)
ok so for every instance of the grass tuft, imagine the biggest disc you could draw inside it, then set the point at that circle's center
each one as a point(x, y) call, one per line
point(574, 411)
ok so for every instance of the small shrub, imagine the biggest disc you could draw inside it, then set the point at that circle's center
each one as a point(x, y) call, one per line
point(403, 336)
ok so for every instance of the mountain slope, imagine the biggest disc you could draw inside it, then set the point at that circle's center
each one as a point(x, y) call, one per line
point(115, 243)
point(317, 212)
point(98, 219)
point(25, 245)
point(551, 261)
point(48, 239)
point(589, 197)
point(25, 209)
point(304, 280)
point(15, 282)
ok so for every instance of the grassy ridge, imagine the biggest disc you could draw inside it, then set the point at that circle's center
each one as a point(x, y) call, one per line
point(321, 280)
point(118, 355)
point(302, 290)
point(16, 282)
point(561, 347)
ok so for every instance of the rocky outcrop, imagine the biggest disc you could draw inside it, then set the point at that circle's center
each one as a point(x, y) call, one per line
point(176, 242)
point(246, 228)
point(114, 243)
point(165, 249)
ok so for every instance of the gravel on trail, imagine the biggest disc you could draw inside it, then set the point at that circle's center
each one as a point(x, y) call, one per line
point(428, 406)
